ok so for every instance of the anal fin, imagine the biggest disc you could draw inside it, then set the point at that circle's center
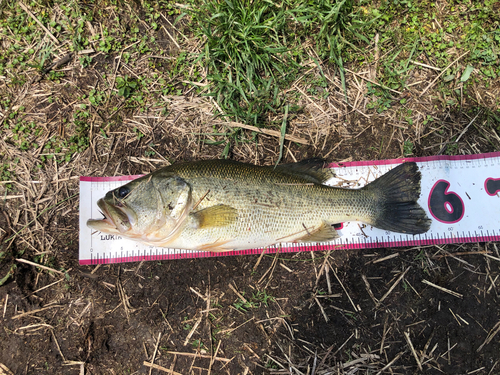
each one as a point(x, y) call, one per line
point(325, 232)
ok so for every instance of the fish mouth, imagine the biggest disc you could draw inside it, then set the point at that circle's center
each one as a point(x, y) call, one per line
point(115, 219)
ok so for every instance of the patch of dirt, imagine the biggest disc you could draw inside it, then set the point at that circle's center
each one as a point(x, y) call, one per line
point(86, 318)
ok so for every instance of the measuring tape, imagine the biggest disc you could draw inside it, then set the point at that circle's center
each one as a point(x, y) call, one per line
point(461, 194)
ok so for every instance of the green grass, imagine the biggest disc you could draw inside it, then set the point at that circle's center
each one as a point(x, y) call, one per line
point(462, 26)
point(245, 56)
point(257, 299)
point(252, 50)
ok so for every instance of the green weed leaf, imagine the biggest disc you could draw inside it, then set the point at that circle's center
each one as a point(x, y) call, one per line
point(466, 74)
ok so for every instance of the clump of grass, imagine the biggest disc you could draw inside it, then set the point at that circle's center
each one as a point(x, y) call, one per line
point(258, 299)
point(253, 51)
point(6, 174)
point(245, 55)
point(329, 22)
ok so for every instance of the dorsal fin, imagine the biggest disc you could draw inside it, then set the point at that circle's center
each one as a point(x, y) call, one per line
point(313, 170)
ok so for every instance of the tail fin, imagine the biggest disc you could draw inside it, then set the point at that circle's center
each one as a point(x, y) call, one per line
point(397, 192)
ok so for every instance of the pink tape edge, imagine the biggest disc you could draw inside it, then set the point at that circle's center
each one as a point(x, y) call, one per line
point(369, 245)
point(105, 179)
point(340, 165)
point(416, 159)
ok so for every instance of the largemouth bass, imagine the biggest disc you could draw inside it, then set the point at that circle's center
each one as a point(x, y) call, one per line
point(219, 205)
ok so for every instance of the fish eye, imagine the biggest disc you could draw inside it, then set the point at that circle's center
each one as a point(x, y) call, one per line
point(123, 191)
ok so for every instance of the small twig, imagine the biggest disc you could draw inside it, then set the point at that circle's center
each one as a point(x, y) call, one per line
point(258, 260)
point(198, 293)
point(377, 57)
point(48, 286)
point(407, 337)
point(373, 82)
point(154, 354)
point(364, 358)
point(213, 358)
point(237, 293)
point(386, 258)
point(450, 348)
point(362, 131)
point(369, 290)
point(271, 268)
point(171, 37)
point(384, 334)
point(5, 305)
point(7, 197)
point(340, 347)
point(38, 326)
point(327, 276)
point(39, 265)
point(57, 344)
point(312, 101)
point(5, 370)
point(38, 22)
point(201, 199)
point(443, 289)
point(270, 132)
point(170, 23)
point(467, 127)
point(390, 363)
point(190, 334)
point(427, 344)
point(235, 328)
point(34, 311)
point(327, 354)
point(124, 298)
point(285, 267)
point(345, 290)
point(425, 65)
point(494, 365)
point(442, 72)
point(392, 287)
point(322, 269)
point(73, 363)
point(200, 356)
point(322, 309)
point(490, 336)
point(491, 257)
point(161, 368)
point(452, 313)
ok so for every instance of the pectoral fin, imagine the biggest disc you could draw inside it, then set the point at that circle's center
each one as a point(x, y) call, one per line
point(325, 232)
point(215, 247)
point(215, 216)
